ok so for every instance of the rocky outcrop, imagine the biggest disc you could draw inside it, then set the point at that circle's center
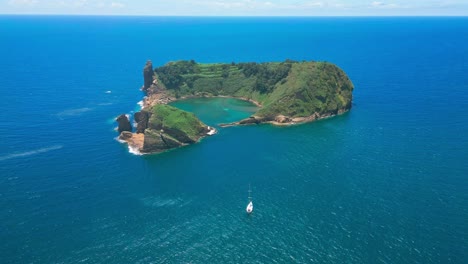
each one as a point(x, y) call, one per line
point(252, 120)
point(142, 119)
point(157, 141)
point(162, 127)
point(148, 75)
point(282, 119)
point(125, 135)
point(124, 124)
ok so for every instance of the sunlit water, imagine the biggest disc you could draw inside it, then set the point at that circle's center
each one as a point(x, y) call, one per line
point(384, 183)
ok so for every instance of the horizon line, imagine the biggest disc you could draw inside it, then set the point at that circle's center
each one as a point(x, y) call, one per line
point(228, 16)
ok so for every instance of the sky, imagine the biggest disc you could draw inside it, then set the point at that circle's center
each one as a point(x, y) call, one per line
point(239, 7)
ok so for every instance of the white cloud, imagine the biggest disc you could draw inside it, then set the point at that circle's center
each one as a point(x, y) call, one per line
point(23, 2)
point(80, 3)
point(313, 4)
point(377, 4)
point(117, 5)
point(238, 7)
point(258, 5)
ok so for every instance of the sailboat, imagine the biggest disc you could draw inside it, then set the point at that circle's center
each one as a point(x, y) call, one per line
point(249, 208)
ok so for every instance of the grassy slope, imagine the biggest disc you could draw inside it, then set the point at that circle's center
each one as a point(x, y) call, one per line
point(309, 88)
point(293, 89)
point(179, 124)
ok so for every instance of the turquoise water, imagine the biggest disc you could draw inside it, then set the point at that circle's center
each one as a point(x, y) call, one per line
point(384, 183)
point(215, 111)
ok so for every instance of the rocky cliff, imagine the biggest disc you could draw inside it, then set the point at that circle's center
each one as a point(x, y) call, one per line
point(124, 124)
point(162, 127)
point(169, 127)
point(148, 75)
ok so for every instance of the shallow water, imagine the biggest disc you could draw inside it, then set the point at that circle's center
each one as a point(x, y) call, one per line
point(218, 110)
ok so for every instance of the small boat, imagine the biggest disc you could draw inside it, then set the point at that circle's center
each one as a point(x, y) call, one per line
point(249, 208)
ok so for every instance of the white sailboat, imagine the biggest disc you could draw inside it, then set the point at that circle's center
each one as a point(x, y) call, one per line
point(249, 208)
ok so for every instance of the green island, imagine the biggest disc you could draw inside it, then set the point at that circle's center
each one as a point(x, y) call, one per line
point(288, 92)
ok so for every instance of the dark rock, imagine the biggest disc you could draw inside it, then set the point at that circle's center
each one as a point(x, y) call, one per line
point(157, 141)
point(142, 119)
point(179, 135)
point(125, 135)
point(148, 75)
point(252, 120)
point(169, 141)
point(153, 142)
point(124, 123)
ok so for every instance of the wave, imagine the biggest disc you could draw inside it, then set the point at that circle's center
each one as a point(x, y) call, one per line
point(140, 103)
point(73, 112)
point(131, 149)
point(120, 140)
point(157, 201)
point(134, 150)
point(105, 104)
point(30, 153)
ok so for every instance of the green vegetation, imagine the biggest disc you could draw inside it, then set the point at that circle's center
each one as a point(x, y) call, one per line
point(176, 124)
point(290, 88)
point(169, 127)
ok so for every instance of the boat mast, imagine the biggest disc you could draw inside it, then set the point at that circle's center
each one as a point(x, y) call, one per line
point(250, 194)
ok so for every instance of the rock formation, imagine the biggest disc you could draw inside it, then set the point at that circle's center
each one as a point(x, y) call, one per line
point(142, 119)
point(125, 135)
point(124, 123)
point(169, 127)
point(156, 141)
point(148, 75)
point(282, 119)
point(252, 120)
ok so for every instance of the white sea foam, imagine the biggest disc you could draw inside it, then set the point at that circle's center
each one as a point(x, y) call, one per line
point(131, 149)
point(108, 92)
point(212, 131)
point(119, 140)
point(105, 104)
point(73, 112)
point(134, 150)
point(140, 104)
point(30, 153)
point(157, 201)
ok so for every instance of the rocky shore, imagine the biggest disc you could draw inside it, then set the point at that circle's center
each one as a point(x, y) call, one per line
point(160, 127)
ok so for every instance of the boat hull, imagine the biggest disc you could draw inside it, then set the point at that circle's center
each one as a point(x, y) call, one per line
point(249, 208)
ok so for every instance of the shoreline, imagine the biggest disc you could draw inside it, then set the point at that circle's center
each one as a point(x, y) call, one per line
point(156, 95)
point(256, 103)
point(160, 96)
point(294, 121)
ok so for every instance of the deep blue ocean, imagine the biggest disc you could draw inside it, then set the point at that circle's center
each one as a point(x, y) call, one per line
point(385, 183)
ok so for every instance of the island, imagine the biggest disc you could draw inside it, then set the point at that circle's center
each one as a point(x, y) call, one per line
point(289, 92)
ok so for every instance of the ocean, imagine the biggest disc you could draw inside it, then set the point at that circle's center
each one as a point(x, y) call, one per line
point(385, 183)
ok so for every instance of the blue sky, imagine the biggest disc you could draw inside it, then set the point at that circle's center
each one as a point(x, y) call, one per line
point(239, 7)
